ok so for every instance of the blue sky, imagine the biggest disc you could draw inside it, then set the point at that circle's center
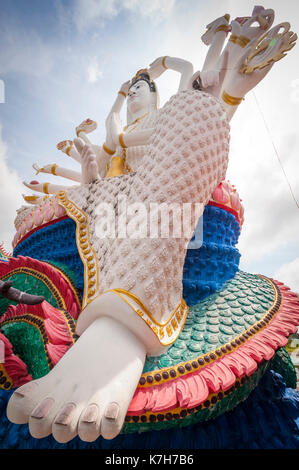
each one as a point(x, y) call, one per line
point(64, 60)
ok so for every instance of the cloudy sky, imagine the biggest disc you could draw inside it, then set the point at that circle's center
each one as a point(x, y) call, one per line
point(62, 61)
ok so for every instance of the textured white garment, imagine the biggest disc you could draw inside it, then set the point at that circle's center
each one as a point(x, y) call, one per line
point(135, 154)
point(186, 159)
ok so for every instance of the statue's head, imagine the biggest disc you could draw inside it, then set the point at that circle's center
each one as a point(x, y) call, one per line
point(142, 94)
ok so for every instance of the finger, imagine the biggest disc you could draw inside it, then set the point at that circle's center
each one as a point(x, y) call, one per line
point(79, 144)
point(236, 28)
point(241, 60)
point(263, 72)
point(257, 10)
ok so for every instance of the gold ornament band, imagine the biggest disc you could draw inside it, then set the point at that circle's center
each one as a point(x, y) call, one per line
point(46, 188)
point(107, 150)
point(166, 332)
point(85, 249)
point(30, 198)
point(163, 62)
point(243, 41)
point(122, 93)
point(233, 38)
point(121, 141)
point(53, 169)
point(222, 27)
point(116, 167)
point(78, 131)
point(68, 150)
point(231, 100)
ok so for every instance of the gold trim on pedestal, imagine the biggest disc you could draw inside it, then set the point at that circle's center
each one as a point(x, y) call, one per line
point(166, 332)
point(86, 252)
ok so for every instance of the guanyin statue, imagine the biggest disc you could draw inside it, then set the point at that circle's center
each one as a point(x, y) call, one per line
point(125, 372)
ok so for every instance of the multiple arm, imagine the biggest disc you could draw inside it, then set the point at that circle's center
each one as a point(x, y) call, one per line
point(246, 59)
point(224, 75)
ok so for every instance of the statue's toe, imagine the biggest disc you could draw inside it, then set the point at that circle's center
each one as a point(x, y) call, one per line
point(90, 422)
point(22, 402)
point(65, 424)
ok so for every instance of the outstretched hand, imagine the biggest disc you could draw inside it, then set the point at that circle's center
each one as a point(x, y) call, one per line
point(240, 83)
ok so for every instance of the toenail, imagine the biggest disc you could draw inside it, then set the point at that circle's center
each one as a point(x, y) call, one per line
point(112, 411)
point(65, 416)
point(41, 410)
point(90, 414)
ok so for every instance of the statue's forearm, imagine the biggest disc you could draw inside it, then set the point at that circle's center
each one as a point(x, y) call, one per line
point(46, 188)
point(137, 138)
point(59, 171)
point(69, 174)
point(102, 159)
point(118, 103)
point(214, 51)
point(182, 66)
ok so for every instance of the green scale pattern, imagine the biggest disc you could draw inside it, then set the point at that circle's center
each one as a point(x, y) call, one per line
point(28, 345)
point(218, 320)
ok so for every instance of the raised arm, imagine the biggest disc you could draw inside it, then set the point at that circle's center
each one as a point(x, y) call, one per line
point(108, 147)
point(46, 188)
point(182, 66)
point(54, 169)
point(244, 31)
point(215, 37)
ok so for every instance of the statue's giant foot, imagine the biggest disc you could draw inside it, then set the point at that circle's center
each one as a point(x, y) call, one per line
point(89, 390)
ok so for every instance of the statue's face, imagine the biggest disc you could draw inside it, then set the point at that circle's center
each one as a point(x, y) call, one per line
point(139, 97)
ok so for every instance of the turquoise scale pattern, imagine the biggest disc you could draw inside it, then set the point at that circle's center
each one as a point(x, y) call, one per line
point(218, 320)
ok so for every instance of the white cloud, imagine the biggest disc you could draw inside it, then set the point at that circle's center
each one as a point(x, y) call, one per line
point(94, 72)
point(289, 274)
point(271, 215)
point(11, 190)
point(89, 13)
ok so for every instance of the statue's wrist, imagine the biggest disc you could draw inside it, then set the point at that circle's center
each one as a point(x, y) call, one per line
point(222, 28)
point(241, 40)
point(122, 93)
point(232, 99)
point(163, 63)
point(122, 141)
